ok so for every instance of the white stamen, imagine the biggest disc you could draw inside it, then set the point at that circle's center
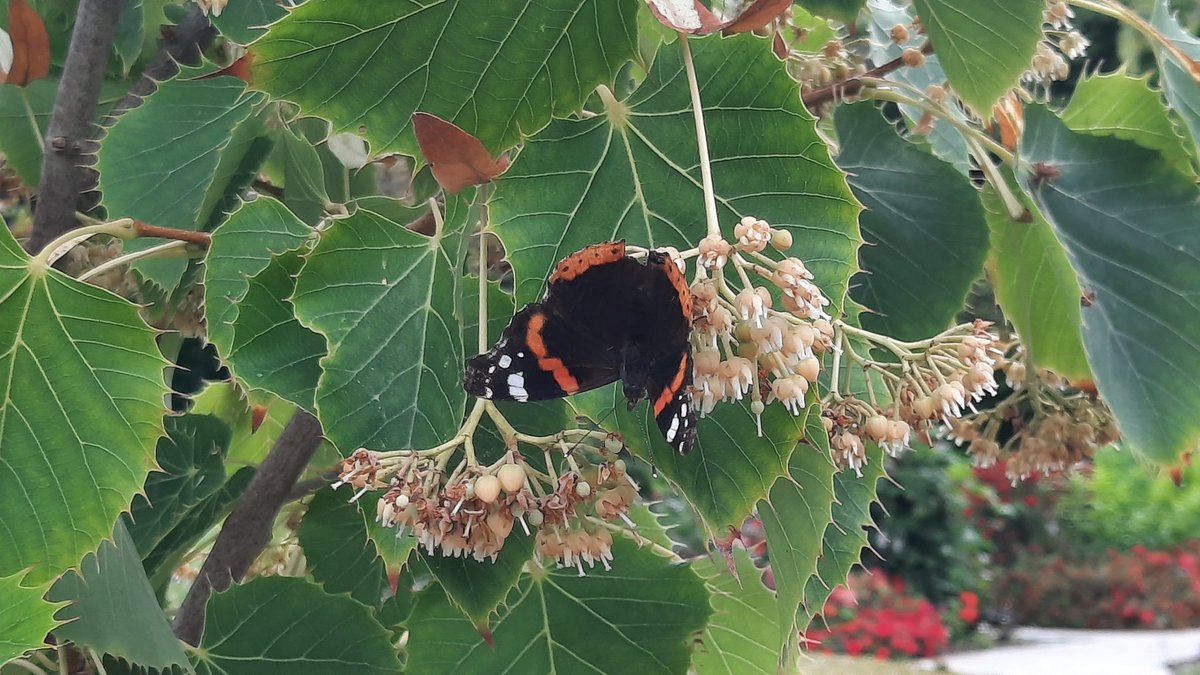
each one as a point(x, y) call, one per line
point(360, 493)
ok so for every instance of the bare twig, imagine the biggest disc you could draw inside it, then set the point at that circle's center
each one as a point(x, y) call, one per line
point(69, 135)
point(247, 530)
point(852, 86)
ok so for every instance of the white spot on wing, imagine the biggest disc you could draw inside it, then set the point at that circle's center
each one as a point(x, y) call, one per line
point(673, 430)
point(516, 387)
point(505, 361)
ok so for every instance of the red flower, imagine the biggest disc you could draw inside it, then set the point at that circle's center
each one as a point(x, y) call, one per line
point(883, 654)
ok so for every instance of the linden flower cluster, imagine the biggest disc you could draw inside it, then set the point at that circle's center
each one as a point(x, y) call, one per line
point(745, 341)
point(1062, 42)
point(471, 512)
point(764, 334)
point(1045, 424)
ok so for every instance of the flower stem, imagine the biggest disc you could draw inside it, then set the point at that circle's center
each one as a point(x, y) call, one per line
point(710, 200)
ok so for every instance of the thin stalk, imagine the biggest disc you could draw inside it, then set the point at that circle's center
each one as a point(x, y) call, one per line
point(710, 199)
point(130, 257)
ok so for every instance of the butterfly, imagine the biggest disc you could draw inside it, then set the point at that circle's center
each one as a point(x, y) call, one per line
point(605, 317)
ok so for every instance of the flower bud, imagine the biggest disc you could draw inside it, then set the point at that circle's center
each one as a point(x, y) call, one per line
point(487, 488)
point(512, 477)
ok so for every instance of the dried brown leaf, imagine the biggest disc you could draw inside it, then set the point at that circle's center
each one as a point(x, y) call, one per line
point(458, 159)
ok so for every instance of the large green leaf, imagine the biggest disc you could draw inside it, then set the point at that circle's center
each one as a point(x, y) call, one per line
point(729, 468)
point(158, 160)
point(191, 462)
point(244, 20)
point(241, 248)
point(271, 349)
point(1124, 215)
point(633, 172)
point(113, 609)
point(845, 538)
point(81, 406)
point(276, 623)
point(640, 618)
point(368, 66)
point(1181, 89)
point(22, 147)
point(945, 140)
point(478, 587)
point(984, 45)
point(25, 618)
point(386, 298)
point(924, 221)
point(1125, 107)
point(743, 633)
point(795, 517)
point(1036, 287)
point(340, 555)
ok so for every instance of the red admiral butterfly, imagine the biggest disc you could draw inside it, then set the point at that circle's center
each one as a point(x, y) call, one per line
point(605, 316)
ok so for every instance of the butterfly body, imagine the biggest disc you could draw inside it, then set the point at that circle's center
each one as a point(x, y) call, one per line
point(605, 316)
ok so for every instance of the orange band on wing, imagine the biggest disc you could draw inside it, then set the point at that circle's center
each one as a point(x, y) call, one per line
point(578, 262)
point(669, 393)
point(537, 345)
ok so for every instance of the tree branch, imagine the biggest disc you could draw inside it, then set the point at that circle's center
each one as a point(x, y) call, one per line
point(68, 137)
point(852, 86)
point(181, 43)
point(247, 530)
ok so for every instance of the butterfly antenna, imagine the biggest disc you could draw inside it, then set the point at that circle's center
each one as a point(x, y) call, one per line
point(641, 421)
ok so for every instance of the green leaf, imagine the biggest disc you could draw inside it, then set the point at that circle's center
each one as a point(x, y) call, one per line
point(395, 550)
point(641, 618)
point(271, 621)
point(340, 555)
point(386, 298)
point(244, 20)
point(730, 467)
point(248, 148)
point(1118, 210)
point(845, 538)
point(368, 66)
point(743, 633)
point(1036, 287)
point(795, 517)
point(169, 147)
point(478, 587)
point(113, 609)
point(81, 406)
point(845, 11)
point(944, 139)
point(304, 180)
point(632, 173)
point(924, 220)
point(1181, 90)
point(22, 147)
point(131, 29)
point(1125, 107)
point(191, 461)
point(984, 45)
point(241, 248)
point(25, 618)
point(271, 349)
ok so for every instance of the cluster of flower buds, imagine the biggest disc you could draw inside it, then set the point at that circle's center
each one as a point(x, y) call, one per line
point(1045, 423)
point(473, 511)
point(748, 344)
point(1061, 42)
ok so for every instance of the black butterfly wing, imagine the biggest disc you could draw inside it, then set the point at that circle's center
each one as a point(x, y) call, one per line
point(568, 343)
point(669, 382)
